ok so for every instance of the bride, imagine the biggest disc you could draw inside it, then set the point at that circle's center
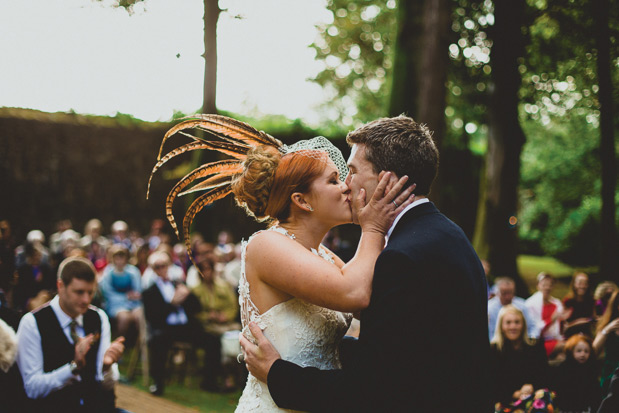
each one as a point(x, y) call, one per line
point(297, 291)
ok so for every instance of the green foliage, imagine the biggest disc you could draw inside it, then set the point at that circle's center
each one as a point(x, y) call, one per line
point(559, 190)
point(529, 266)
point(356, 51)
point(561, 171)
point(469, 75)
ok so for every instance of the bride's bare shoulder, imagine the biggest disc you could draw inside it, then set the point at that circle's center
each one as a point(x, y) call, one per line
point(270, 242)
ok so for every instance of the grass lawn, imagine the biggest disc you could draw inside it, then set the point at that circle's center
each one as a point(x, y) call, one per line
point(188, 393)
point(529, 266)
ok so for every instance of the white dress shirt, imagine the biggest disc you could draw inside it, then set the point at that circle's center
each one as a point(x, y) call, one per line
point(39, 384)
point(167, 290)
point(401, 214)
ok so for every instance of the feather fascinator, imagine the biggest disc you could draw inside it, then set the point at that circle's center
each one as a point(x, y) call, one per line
point(236, 138)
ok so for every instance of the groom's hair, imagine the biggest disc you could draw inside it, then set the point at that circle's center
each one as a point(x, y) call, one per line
point(402, 146)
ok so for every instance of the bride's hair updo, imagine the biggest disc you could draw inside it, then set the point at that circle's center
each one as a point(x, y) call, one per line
point(268, 180)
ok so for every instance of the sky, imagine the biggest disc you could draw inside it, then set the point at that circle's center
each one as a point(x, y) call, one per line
point(92, 58)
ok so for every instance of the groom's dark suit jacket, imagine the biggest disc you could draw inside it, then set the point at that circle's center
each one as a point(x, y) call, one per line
point(423, 345)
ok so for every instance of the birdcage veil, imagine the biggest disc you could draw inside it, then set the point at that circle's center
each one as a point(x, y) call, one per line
point(320, 143)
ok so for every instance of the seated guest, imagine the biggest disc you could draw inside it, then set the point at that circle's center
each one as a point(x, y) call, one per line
point(93, 242)
point(64, 352)
point(607, 341)
point(35, 280)
point(121, 287)
point(515, 360)
point(218, 314)
point(546, 312)
point(576, 378)
point(36, 238)
point(119, 235)
point(580, 305)
point(219, 305)
point(170, 309)
point(203, 251)
point(11, 386)
point(175, 272)
point(505, 294)
point(602, 294)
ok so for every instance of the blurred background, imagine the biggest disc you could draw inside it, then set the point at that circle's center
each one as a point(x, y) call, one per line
point(520, 95)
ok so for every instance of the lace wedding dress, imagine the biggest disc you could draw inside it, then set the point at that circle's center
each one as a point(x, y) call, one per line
point(303, 333)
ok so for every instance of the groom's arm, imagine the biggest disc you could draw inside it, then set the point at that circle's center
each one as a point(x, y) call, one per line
point(308, 388)
point(292, 386)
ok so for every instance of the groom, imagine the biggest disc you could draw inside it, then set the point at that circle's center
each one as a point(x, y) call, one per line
point(423, 345)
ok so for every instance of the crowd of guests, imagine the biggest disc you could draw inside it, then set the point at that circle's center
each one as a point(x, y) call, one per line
point(143, 283)
point(546, 353)
point(551, 354)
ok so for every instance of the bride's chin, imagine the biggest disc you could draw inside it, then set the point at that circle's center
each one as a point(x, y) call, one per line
point(347, 220)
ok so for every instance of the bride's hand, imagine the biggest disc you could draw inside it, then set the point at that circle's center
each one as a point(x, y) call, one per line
point(386, 203)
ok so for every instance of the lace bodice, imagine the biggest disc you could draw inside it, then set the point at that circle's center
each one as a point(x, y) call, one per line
point(303, 333)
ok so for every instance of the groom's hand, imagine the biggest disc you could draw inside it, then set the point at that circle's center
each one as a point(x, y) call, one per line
point(258, 358)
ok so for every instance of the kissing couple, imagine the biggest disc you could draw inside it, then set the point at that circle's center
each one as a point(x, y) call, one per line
point(415, 282)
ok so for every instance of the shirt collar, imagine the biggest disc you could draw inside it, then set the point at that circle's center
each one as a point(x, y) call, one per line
point(161, 283)
point(401, 214)
point(63, 318)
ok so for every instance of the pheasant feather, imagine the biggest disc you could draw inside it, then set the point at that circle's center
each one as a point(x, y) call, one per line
point(225, 128)
point(224, 147)
point(226, 166)
point(196, 206)
point(212, 182)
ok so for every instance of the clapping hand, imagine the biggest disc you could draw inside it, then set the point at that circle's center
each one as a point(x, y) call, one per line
point(180, 294)
point(563, 315)
point(113, 353)
point(81, 349)
point(612, 326)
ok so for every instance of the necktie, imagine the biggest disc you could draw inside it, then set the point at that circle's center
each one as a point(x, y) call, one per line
point(74, 335)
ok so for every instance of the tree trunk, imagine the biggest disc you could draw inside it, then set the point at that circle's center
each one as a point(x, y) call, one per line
point(431, 99)
point(211, 15)
point(505, 141)
point(407, 58)
point(609, 268)
point(420, 67)
point(434, 60)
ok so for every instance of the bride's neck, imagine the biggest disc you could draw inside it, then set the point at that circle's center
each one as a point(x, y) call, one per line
point(306, 233)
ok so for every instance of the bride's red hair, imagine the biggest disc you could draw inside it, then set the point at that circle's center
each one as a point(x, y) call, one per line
point(269, 179)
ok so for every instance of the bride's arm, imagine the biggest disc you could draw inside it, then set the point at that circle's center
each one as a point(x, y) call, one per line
point(287, 266)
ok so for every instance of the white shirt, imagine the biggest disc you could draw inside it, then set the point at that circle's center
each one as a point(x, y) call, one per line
point(401, 214)
point(39, 384)
point(535, 305)
point(167, 290)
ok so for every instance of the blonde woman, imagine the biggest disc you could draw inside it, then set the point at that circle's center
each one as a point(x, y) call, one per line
point(516, 359)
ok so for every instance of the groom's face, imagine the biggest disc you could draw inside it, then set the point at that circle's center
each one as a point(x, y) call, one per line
point(361, 175)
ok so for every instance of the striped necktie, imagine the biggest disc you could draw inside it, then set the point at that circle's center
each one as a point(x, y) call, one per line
point(74, 336)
